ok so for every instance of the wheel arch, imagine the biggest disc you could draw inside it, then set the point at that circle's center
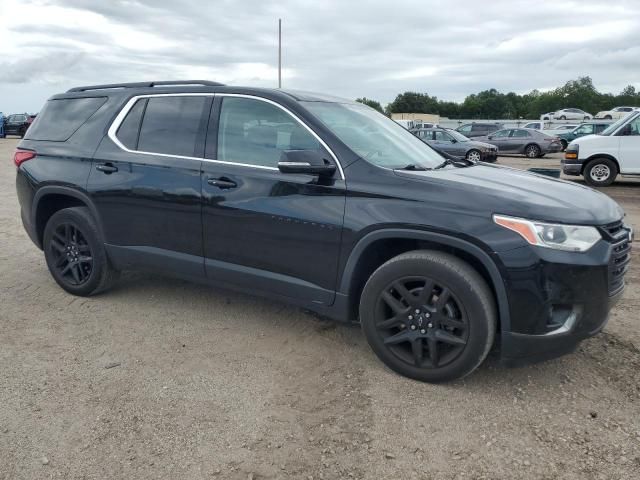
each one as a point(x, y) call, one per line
point(600, 155)
point(527, 145)
point(50, 199)
point(377, 247)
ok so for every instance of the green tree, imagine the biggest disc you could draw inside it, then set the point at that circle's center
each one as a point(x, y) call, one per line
point(371, 103)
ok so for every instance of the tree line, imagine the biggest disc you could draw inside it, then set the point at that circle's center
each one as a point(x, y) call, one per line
point(492, 104)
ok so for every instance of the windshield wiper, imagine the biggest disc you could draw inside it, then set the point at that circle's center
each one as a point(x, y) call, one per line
point(413, 166)
point(462, 162)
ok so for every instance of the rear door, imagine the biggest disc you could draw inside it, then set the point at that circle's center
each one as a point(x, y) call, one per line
point(518, 138)
point(145, 182)
point(265, 230)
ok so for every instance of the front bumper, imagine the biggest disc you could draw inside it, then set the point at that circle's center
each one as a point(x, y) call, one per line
point(557, 299)
point(571, 167)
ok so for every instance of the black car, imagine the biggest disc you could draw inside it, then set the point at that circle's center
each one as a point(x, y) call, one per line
point(17, 124)
point(456, 144)
point(324, 203)
point(479, 129)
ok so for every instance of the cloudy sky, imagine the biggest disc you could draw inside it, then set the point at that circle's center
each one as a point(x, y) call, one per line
point(375, 49)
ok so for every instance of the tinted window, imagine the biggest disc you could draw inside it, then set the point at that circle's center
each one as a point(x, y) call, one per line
point(129, 128)
point(171, 125)
point(465, 129)
point(59, 119)
point(519, 133)
point(500, 134)
point(256, 133)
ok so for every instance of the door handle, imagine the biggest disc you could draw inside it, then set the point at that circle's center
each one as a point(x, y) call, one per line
point(106, 168)
point(222, 183)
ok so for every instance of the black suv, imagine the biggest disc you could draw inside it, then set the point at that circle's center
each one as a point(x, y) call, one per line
point(326, 204)
point(478, 129)
point(17, 124)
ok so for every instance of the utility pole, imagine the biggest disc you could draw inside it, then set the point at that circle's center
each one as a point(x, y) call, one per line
point(279, 53)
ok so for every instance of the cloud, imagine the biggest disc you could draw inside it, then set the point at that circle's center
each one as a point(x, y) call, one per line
point(374, 49)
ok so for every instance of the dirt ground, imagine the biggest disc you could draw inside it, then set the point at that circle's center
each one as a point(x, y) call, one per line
point(159, 378)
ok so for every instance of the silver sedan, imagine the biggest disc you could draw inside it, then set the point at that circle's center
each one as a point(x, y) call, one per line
point(525, 141)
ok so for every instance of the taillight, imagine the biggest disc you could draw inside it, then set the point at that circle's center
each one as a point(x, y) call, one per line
point(22, 156)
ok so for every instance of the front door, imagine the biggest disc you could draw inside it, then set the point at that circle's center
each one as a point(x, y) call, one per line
point(145, 183)
point(265, 230)
point(630, 147)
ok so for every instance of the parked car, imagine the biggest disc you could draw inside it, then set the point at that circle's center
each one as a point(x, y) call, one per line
point(588, 128)
point(534, 125)
point(418, 124)
point(16, 124)
point(456, 144)
point(408, 124)
point(325, 204)
point(531, 143)
point(478, 129)
point(601, 158)
point(2, 125)
point(571, 114)
point(615, 113)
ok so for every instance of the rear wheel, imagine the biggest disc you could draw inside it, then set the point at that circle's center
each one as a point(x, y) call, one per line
point(75, 254)
point(428, 316)
point(608, 117)
point(600, 172)
point(474, 155)
point(532, 151)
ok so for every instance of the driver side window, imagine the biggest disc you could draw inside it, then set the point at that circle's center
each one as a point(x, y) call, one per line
point(500, 134)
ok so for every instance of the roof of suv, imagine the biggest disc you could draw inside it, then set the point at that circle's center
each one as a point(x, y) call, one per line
point(194, 86)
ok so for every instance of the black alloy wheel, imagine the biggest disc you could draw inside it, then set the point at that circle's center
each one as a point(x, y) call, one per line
point(428, 315)
point(75, 252)
point(71, 254)
point(422, 322)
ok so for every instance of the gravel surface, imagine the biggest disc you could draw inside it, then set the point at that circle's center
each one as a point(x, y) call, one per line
point(159, 378)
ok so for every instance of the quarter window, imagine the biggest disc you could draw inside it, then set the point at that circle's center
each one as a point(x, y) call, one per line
point(171, 125)
point(130, 127)
point(256, 133)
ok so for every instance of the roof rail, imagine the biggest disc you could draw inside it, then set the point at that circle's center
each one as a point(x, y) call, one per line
point(206, 83)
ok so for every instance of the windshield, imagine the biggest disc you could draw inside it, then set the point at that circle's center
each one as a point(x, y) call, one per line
point(614, 126)
point(457, 135)
point(373, 136)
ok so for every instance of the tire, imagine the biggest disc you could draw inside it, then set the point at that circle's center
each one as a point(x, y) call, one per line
point(608, 117)
point(457, 328)
point(563, 117)
point(75, 253)
point(545, 118)
point(532, 151)
point(564, 144)
point(474, 155)
point(600, 172)
point(587, 117)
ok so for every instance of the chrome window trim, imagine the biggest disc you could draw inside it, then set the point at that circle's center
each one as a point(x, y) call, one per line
point(115, 125)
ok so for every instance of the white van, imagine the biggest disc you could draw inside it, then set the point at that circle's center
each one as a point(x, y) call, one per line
point(601, 158)
point(408, 124)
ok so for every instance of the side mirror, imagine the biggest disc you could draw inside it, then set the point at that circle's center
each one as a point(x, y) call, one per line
point(453, 140)
point(310, 162)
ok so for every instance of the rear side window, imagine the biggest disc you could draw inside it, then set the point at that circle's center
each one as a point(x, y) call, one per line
point(171, 125)
point(130, 126)
point(60, 118)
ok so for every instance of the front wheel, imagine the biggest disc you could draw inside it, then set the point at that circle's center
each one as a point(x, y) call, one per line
point(474, 155)
point(428, 316)
point(532, 151)
point(75, 253)
point(608, 117)
point(563, 117)
point(600, 172)
point(564, 145)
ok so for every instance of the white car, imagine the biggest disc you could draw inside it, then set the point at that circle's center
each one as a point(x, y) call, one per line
point(571, 114)
point(615, 113)
point(601, 158)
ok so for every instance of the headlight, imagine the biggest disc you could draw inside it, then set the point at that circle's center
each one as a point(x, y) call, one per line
point(572, 238)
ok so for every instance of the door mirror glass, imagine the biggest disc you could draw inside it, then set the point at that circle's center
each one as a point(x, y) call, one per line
point(305, 161)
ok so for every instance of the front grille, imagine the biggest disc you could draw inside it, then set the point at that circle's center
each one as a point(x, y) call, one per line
point(618, 235)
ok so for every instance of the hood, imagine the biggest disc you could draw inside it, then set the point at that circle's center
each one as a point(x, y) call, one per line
point(488, 189)
point(477, 144)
